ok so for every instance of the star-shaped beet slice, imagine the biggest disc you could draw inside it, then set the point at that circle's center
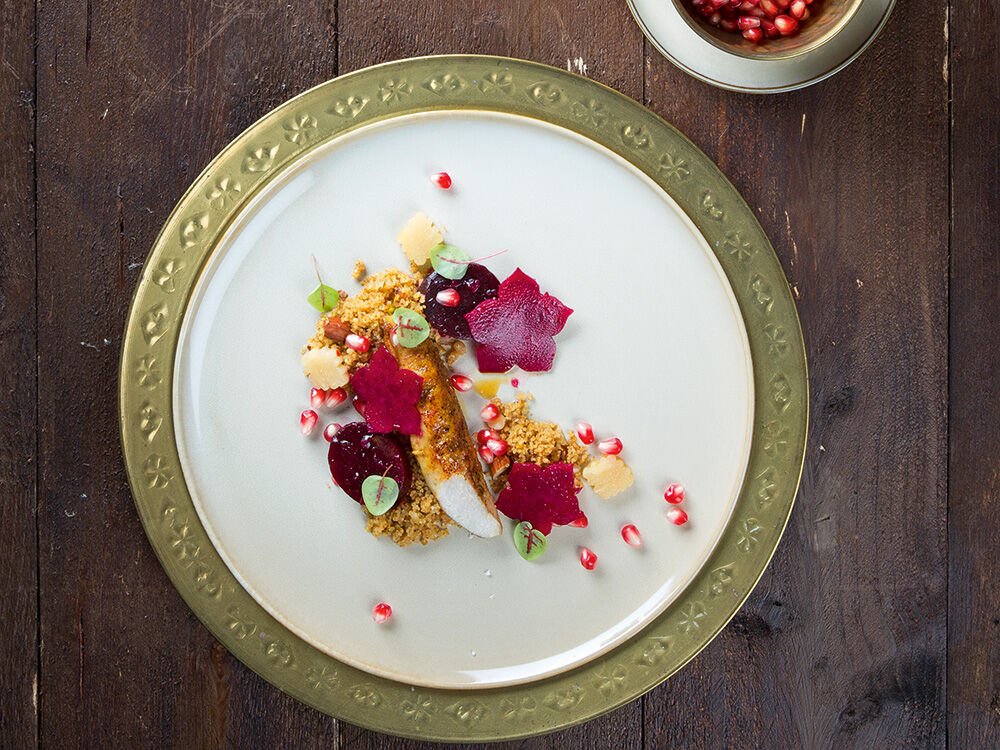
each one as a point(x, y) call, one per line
point(517, 327)
point(540, 496)
point(389, 393)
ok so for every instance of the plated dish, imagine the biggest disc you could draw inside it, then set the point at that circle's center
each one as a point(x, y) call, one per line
point(681, 354)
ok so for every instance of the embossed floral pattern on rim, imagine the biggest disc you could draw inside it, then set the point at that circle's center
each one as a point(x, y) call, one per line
point(448, 83)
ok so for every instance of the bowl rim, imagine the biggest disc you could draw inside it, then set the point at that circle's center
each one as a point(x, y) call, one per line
point(847, 60)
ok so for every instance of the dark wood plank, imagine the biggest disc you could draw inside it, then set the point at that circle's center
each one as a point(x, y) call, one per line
point(843, 644)
point(974, 398)
point(591, 36)
point(134, 99)
point(18, 449)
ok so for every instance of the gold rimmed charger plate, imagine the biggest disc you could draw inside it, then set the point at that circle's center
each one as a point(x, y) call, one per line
point(510, 86)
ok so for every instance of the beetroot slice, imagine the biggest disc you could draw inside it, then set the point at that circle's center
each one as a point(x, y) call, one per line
point(389, 394)
point(478, 285)
point(517, 327)
point(356, 453)
point(540, 496)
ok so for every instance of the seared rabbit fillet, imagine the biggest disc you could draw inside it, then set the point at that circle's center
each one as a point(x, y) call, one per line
point(444, 449)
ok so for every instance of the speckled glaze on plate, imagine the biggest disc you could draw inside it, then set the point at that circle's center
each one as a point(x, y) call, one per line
point(546, 111)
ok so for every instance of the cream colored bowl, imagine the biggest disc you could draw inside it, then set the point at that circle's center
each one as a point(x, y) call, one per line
point(840, 31)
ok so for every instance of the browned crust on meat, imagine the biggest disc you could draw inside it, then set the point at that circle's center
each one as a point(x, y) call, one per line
point(444, 447)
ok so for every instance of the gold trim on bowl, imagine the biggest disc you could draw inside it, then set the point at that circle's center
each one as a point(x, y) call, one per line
point(462, 82)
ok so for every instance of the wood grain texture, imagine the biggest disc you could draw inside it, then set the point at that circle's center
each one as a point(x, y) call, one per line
point(843, 642)
point(18, 326)
point(974, 401)
point(135, 98)
point(871, 599)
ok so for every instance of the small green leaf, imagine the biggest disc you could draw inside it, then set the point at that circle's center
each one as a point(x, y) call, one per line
point(529, 541)
point(324, 298)
point(412, 328)
point(379, 494)
point(449, 261)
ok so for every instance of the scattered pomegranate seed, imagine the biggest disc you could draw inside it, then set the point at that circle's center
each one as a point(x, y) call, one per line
point(381, 613)
point(335, 397)
point(610, 447)
point(786, 25)
point(357, 343)
point(515, 382)
point(448, 297)
point(317, 397)
point(631, 535)
point(585, 432)
point(580, 523)
point(587, 558)
point(674, 493)
point(441, 179)
point(461, 382)
point(490, 413)
point(677, 516)
point(307, 422)
point(486, 454)
point(496, 446)
point(330, 430)
point(483, 435)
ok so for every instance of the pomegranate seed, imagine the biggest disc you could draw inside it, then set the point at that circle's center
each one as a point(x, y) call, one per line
point(754, 35)
point(483, 435)
point(307, 422)
point(486, 454)
point(381, 613)
point(490, 413)
point(805, 14)
point(335, 397)
point(769, 7)
point(580, 523)
point(715, 19)
point(677, 516)
point(747, 22)
point(786, 25)
point(317, 397)
point(769, 29)
point(448, 297)
point(727, 25)
point(674, 493)
point(797, 9)
point(610, 447)
point(461, 383)
point(587, 558)
point(631, 535)
point(514, 382)
point(441, 179)
point(783, 3)
point(496, 446)
point(585, 432)
point(357, 343)
point(330, 430)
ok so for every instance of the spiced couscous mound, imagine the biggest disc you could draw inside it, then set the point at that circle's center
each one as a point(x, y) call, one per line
point(420, 520)
point(542, 443)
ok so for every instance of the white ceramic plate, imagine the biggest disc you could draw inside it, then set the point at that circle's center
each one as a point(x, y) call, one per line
point(673, 31)
point(655, 352)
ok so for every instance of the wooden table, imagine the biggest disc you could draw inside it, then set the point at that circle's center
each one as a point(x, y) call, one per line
point(877, 622)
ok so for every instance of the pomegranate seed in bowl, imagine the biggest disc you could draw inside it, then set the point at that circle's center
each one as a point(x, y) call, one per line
point(755, 20)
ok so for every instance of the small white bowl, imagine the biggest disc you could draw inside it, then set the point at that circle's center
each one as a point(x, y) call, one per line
point(839, 32)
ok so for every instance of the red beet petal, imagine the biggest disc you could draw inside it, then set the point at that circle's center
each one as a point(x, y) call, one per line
point(540, 496)
point(517, 327)
point(390, 394)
